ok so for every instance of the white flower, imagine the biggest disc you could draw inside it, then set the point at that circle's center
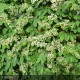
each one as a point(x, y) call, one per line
point(49, 48)
point(33, 1)
point(50, 56)
point(53, 1)
point(49, 65)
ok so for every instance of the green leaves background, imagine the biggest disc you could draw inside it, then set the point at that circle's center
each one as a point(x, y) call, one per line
point(39, 38)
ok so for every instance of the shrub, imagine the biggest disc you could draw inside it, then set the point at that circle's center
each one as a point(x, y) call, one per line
point(39, 37)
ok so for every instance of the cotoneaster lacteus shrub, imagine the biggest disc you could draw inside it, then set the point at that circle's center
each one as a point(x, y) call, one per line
point(39, 37)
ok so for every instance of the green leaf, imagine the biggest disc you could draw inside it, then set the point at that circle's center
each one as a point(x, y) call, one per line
point(47, 72)
point(78, 29)
point(21, 59)
point(3, 7)
point(14, 61)
point(1, 22)
point(5, 30)
point(60, 53)
point(79, 1)
point(70, 58)
point(62, 36)
point(66, 37)
point(7, 66)
point(29, 29)
point(42, 58)
point(71, 37)
point(40, 69)
point(35, 22)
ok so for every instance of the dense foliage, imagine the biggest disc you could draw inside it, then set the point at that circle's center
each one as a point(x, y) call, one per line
point(39, 37)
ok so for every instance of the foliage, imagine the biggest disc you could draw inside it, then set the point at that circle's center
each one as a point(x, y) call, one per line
point(39, 37)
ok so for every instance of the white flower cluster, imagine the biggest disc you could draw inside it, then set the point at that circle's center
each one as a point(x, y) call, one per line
point(60, 59)
point(67, 69)
point(21, 22)
point(55, 4)
point(6, 41)
point(52, 17)
point(70, 44)
point(11, 9)
point(37, 41)
point(60, 47)
point(9, 40)
point(23, 7)
point(38, 44)
point(33, 1)
point(54, 31)
point(23, 68)
point(39, 38)
point(64, 23)
point(30, 9)
point(70, 47)
point(50, 58)
point(53, 1)
point(3, 17)
point(77, 55)
point(49, 65)
point(25, 51)
point(43, 23)
point(19, 44)
point(49, 47)
point(10, 53)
